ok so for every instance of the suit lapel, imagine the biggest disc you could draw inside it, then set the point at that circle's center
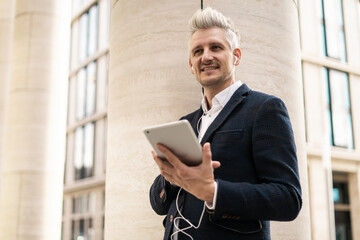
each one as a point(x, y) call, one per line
point(195, 120)
point(237, 98)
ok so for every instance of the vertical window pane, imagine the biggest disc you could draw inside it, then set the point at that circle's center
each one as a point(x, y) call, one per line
point(91, 88)
point(334, 29)
point(326, 94)
point(90, 231)
point(78, 153)
point(91, 202)
point(83, 32)
point(74, 44)
point(89, 149)
point(340, 108)
point(73, 233)
point(322, 27)
point(341, 193)
point(80, 93)
point(105, 144)
point(81, 229)
point(93, 30)
point(73, 205)
point(83, 203)
point(342, 225)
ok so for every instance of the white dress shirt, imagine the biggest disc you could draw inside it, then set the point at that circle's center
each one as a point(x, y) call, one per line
point(218, 103)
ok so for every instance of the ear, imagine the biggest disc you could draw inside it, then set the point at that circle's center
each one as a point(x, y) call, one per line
point(191, 67)
point(237, 56)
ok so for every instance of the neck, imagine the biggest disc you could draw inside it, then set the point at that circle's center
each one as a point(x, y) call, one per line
point(210, 92)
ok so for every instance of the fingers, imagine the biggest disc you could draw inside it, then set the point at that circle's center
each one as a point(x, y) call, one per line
point(166, 169)
point(164, 166)
point(206, 153)
point(173, 160)
point(215, 164)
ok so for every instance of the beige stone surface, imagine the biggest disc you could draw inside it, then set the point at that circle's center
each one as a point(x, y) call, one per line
point(150, 83)
point(318, 200)
point(314, 103)
point(6, 33)
point(31, 200)
point(354, 190)
point(37, 6)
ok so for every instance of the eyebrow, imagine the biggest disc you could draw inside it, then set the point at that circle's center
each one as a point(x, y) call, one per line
point(211, 44)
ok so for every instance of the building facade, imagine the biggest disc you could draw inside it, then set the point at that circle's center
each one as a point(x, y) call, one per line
point(330, 43)
point(102, 121)
point(84, 181)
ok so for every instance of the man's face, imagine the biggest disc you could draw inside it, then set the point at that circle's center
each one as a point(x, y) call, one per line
point(211, 59)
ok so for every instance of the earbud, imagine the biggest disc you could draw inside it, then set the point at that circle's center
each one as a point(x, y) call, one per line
point(236, 58)
point(192, 68)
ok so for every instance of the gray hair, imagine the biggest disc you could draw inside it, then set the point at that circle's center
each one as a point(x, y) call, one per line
point(209, 18)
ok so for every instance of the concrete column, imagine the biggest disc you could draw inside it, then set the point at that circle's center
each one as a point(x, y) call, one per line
point(354, 189)
point(34, 152)
point(6, 33)
point(150, 82)
point(318, 200)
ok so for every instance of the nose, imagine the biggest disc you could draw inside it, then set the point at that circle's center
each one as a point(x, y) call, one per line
point(207, 56)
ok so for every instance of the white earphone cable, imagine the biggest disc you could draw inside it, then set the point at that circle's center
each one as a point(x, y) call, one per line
point(181, 217)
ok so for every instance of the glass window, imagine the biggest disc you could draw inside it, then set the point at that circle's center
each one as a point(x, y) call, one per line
point(86, 91)
point(87, 38)
point(341, 193)
point(332, 29)
point(339, 108)
point(91, 88)
point(84, 151)
point(83, 32)
point(82, 225)
point(80, 93)
point(82, 229)
point(342, 225)
point(93, 30)
point(342, 207)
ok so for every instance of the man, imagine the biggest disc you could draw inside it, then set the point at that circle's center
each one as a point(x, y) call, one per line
point(255, 176)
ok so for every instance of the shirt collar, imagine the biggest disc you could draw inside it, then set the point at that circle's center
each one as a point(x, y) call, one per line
point(222, 98)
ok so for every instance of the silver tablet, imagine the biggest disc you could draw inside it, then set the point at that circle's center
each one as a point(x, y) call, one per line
point(179, 137)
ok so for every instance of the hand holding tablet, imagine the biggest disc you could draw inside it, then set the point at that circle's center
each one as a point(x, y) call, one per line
point(178, 137)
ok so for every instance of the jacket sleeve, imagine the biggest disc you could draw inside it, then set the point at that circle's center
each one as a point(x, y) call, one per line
point(162, 193)
point(276, 195)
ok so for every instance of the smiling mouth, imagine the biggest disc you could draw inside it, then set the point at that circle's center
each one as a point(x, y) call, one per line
point(208, 68)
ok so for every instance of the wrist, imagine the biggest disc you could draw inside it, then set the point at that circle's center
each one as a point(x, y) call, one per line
point(209, 193)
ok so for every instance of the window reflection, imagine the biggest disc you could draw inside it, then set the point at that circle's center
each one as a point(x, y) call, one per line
point(93, 30)
point(90, 88)
point(86, 91)
point(84, 151)
point(339, 108)
point(83, 32)
point(83, 209)
point(332, 28)
point(342, 225)
point(342, 207)
point(80, 93)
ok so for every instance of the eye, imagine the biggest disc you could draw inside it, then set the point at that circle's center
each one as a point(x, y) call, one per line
point(197, 52)
point(216, 48)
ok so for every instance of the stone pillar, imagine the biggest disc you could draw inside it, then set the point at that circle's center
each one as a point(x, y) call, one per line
point(32, 172)
point(6, 33)
point(318, 200)
point(150, 83)
point(354, 190)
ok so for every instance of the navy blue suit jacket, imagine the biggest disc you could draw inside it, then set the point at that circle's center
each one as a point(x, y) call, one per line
point(258, 180)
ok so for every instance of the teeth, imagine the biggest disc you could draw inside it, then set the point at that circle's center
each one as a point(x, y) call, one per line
point(209, 68)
